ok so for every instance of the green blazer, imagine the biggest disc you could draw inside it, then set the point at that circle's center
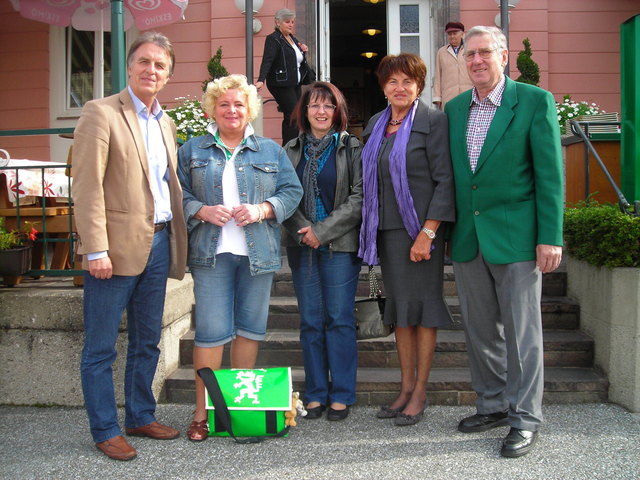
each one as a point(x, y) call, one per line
point(514, 199)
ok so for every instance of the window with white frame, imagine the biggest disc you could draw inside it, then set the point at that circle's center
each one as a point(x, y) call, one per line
point(80, 66)
point(88, 62)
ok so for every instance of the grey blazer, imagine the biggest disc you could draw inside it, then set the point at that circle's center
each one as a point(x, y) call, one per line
point(341, 229)
point(429, 170)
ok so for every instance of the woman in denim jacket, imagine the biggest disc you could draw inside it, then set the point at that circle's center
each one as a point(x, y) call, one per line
point(237, 189)
point(322, 245)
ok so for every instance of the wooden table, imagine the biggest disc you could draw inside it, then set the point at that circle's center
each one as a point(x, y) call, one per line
point(56, 218)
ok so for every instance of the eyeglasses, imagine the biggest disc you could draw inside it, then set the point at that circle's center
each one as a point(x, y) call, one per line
point(484, 54)
point(316, 107)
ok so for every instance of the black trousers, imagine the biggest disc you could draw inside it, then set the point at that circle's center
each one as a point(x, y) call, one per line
point(286, 97)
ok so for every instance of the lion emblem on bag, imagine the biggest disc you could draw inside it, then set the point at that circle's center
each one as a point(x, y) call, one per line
point(249, 384)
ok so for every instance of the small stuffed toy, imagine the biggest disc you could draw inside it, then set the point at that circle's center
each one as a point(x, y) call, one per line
point(297, 408)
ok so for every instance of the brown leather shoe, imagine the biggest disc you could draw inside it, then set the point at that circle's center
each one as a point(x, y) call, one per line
point(117, 448)
point(154, 430)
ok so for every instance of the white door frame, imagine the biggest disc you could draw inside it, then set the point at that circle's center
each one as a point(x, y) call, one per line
point(324, 43)
point(425, 25)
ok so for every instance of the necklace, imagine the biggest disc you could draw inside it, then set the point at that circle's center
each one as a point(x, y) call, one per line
point(231, 149)
point(396, 122)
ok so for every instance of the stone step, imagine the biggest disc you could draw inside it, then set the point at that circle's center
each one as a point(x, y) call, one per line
point(447, 386)
point(553, 284)
point(557, 313)
point(562, 348)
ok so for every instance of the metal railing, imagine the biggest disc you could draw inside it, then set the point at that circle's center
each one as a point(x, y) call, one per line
point(576, 129)
point(45, 212)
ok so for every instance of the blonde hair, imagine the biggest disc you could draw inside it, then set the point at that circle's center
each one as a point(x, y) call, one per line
point(219, 86)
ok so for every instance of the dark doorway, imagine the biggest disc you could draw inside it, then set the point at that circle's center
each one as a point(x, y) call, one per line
point(350, 71)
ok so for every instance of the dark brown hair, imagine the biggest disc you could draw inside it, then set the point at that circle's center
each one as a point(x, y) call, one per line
point(408, 63)
point(321, 91)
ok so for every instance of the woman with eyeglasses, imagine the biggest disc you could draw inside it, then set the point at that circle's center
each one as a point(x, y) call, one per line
point(322, 245)
point(408, 196)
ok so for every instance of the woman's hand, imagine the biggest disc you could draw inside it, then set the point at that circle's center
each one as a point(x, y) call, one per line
point(308, 237)
point(217, 214)
point(247, 213)
point(421, 248)
point(304, 48)
point(259, 85)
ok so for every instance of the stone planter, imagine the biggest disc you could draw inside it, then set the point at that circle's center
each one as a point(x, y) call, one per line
point(15, 261)
point(610, 312)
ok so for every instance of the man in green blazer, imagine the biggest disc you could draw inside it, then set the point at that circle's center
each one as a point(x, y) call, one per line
point(507, 164)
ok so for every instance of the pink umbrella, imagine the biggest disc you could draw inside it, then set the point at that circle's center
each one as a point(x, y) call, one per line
point(95, 15)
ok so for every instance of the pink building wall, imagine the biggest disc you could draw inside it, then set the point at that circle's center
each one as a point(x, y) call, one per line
point(24, 82)
point(575, 42)
point(199, 36)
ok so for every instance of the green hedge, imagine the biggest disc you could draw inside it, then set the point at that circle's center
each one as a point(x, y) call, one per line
point(602, 235)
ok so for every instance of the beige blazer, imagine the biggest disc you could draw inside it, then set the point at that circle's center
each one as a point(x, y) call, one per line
point(113, 203)
point(451, 77)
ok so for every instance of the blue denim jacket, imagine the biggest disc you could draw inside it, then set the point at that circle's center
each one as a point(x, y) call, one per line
point(264, 173)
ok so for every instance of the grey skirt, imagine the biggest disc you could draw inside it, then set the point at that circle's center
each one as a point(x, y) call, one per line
point(413, 289)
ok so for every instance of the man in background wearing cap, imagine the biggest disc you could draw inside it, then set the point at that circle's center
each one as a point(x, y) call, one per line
point(451, 77)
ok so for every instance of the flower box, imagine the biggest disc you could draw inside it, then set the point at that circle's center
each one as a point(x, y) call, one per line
point(15, 261)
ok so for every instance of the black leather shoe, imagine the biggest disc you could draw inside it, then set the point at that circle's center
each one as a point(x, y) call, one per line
point(518, 442)
point(315, 412)
point(482, 423)
point(336, 415)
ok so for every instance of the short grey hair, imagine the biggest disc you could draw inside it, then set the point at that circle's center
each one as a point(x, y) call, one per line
point(497, 37)
point(156, 38)
point(219, 86)
point(284, 14)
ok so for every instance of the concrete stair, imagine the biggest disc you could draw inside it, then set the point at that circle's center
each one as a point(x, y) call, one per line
point(569, 373)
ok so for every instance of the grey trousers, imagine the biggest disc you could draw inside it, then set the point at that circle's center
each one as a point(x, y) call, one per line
point(500, 307)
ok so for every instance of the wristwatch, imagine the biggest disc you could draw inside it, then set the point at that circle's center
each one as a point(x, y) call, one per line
point(429, 233)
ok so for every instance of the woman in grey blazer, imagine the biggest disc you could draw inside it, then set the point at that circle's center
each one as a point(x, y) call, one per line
point(408, 195)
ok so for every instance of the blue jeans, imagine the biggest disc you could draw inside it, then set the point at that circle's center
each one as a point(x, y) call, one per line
point(230, 301)
point(104, 303)
point(325, 283)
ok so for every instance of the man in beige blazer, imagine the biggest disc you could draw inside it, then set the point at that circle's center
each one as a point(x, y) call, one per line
point(132, 235)
point(450, 78)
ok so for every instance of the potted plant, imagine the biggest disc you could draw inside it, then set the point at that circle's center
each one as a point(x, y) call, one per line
point(15, 249)
point(570, 110)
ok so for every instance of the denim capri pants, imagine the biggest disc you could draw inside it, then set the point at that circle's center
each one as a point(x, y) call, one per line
point(230, 301)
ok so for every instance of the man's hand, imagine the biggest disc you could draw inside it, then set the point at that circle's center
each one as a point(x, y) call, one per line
point(548, 257)
point(101, 268)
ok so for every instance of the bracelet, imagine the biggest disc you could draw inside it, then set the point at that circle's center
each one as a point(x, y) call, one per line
point(260, 214)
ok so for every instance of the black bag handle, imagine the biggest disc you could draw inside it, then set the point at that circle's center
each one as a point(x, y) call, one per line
point(222, 411)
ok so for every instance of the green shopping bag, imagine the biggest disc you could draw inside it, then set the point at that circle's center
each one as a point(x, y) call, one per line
point(247, 403)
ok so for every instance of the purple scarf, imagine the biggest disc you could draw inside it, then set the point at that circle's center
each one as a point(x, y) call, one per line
point(398, 170)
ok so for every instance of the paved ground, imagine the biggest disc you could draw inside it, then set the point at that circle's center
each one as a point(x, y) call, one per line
point(596, 441)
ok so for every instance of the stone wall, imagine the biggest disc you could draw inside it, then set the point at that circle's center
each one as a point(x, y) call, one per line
point(41, 338)
point(610, 313)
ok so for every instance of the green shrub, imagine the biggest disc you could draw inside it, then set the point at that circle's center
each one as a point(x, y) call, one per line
point(529, 69)
point(602, 235)
point(215, 68)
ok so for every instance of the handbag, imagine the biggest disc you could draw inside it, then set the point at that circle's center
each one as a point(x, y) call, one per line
point(369, 312)
point(247, 403)
point(307, 74)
